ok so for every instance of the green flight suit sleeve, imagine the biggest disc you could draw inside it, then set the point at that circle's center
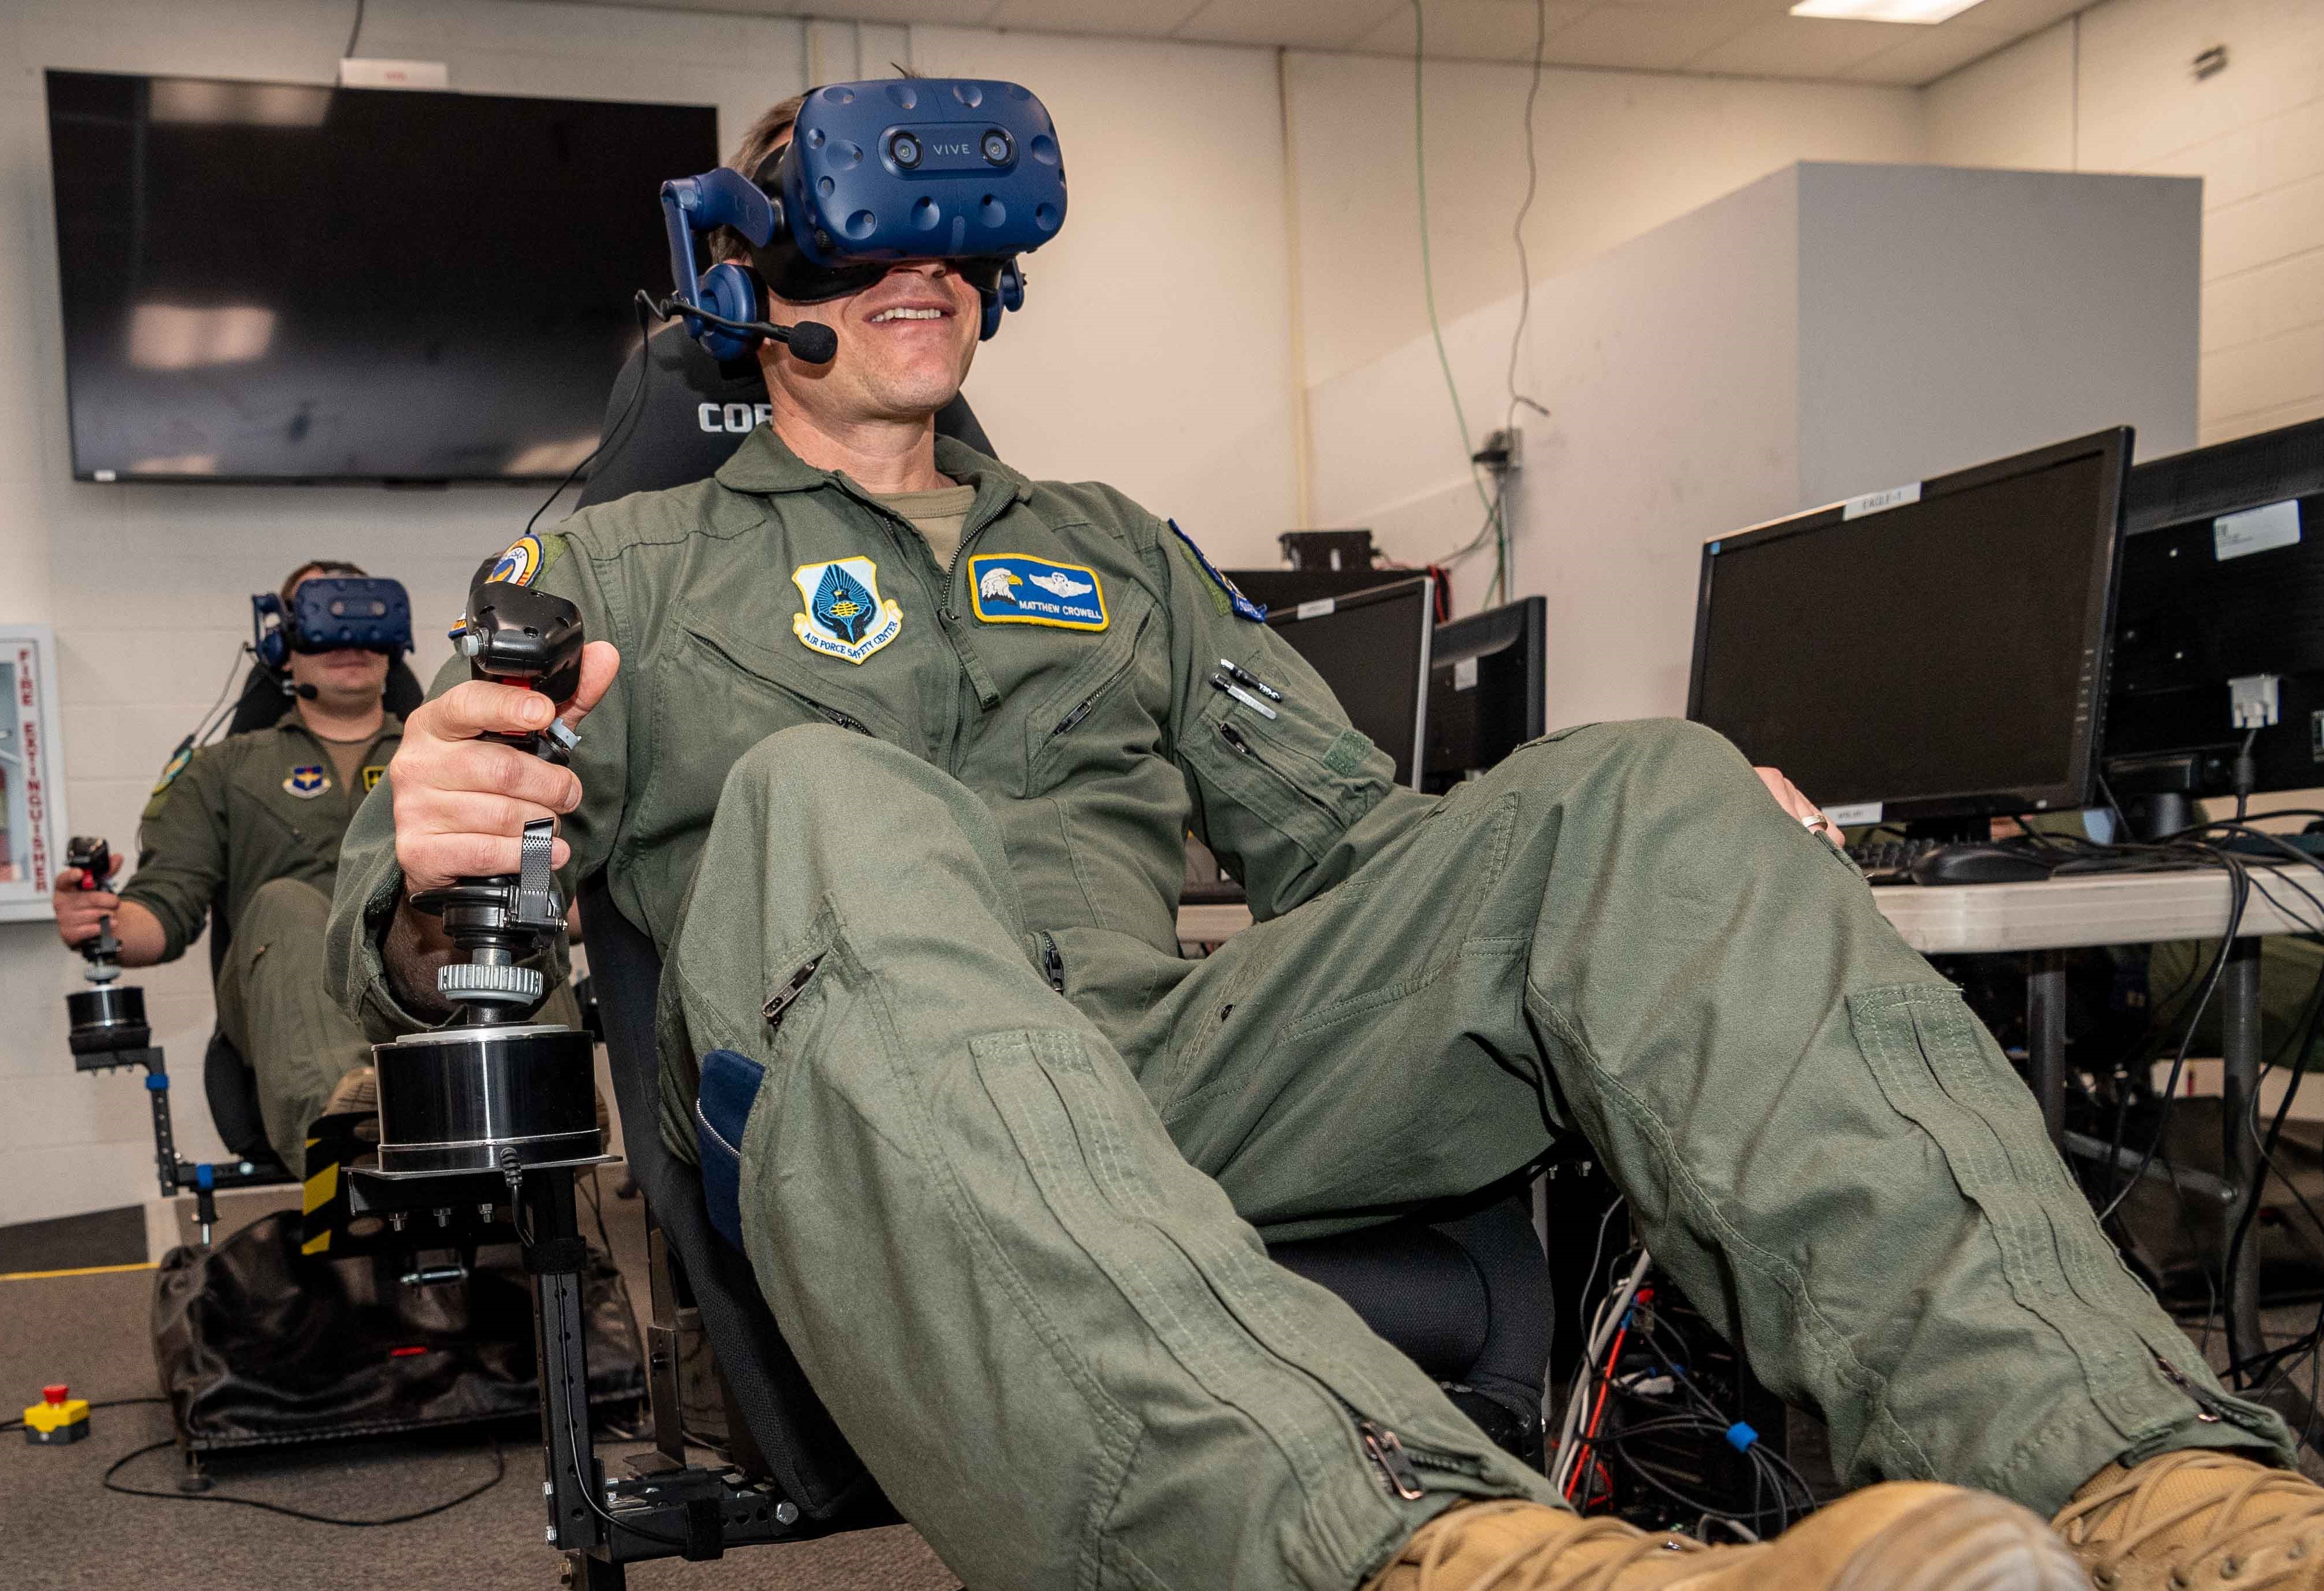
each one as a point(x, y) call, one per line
point(1293, 803)
point(370, 883)
point(181, 851)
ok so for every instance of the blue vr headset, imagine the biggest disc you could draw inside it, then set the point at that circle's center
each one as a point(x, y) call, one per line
point(326, 615)
point(962, 169)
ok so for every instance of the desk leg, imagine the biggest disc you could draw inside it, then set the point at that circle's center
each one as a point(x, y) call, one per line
point(2239, 1157)
point(2046, 1036)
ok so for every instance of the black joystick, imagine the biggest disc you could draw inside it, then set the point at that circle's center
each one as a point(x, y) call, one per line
point(108, 1019)
point(491, 1090)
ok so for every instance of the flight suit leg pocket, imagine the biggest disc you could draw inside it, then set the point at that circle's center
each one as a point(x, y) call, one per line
point(1299, 1370)
point(1939, 1069)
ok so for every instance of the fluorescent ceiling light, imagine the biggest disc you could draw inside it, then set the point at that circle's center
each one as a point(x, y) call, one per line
point(1912, 11)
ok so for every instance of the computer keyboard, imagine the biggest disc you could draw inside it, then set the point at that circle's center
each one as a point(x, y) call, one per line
point(1890, 861)
point(1939, 863)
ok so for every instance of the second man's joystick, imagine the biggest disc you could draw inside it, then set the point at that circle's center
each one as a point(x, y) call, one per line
point(492, 1091)
point(108, 1017)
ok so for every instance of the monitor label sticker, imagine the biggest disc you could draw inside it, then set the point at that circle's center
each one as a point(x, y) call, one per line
point(1464, 674)
point(2255, 530)
point(1874, 501)
point(1857, 816)
point(1318, 609)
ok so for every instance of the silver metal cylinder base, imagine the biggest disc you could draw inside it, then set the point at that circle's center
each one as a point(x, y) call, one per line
point(461, 1100)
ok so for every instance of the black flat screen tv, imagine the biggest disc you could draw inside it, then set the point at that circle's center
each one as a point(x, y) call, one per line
point(275, 282)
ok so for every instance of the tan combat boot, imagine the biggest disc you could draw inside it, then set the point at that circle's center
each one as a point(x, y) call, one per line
point(1904, 1536)
point(2198, 1519)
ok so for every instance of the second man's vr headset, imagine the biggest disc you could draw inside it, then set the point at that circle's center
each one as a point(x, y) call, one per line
point(328, 615)
point(962, 169)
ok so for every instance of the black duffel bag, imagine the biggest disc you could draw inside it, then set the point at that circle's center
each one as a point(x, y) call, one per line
point(258, 1344)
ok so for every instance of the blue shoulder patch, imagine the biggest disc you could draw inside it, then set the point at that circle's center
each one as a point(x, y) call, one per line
point(1240, 606)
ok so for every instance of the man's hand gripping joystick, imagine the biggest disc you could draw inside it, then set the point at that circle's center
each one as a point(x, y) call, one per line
point(492, 1091)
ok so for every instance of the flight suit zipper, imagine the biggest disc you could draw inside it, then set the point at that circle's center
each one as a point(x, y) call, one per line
point(1053, 965)
point(1234, 737)
point(2213, 1411)
point(1398, 1463)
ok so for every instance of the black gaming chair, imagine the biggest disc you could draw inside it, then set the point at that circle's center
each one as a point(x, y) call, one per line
point(226, 1080)
point(1463, 1291)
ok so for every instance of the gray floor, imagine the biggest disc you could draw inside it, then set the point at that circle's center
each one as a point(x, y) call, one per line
point(60, 1530)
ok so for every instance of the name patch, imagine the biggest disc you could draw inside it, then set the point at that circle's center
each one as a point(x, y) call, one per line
point(844, 617)
point(1011, 589)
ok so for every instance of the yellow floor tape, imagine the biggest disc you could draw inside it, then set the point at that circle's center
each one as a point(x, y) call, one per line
point(83, 1270)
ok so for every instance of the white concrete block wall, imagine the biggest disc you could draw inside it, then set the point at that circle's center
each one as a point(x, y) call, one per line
point(2114, 90)
point(148, 586)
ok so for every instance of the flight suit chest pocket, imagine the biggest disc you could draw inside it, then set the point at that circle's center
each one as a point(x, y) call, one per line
point(260, 821)
point(735, 690)
point(1097, 719)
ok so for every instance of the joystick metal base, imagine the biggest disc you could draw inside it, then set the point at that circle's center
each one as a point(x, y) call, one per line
point(502, 1098)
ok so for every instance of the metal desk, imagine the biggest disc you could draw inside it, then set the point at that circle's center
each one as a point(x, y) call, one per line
point(2045, 918)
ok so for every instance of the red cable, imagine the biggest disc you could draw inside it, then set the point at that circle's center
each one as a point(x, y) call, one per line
point(1605, 1384)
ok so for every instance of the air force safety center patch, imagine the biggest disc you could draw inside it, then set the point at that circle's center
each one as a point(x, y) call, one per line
point(1014, 589)
point(844, 617)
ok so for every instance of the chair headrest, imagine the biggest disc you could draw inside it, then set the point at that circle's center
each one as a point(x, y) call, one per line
point(263, 702)
point(695, 413)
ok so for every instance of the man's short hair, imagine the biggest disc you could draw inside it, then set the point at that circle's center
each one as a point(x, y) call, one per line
point(759, 140)
point(315, 566)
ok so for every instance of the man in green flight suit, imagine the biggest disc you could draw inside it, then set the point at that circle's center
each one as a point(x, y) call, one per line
point(252, 824)
point(891, 750)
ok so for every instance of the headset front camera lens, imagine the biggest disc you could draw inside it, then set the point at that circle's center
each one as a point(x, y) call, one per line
point(997, 147)
point(905, 149)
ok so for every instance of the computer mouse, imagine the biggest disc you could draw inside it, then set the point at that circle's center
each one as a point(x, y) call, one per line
point(1976, 864)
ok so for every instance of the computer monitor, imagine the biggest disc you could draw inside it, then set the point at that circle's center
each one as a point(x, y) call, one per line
point(1285, 587)
point(2222, 579)
point(1486, 695)
point(1372, 649)
point(1936, 651)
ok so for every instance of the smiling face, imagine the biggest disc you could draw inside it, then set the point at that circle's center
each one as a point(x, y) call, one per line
point(904, 345)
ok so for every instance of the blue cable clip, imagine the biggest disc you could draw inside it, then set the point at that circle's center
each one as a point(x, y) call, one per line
point(1740, 1436)
point(157, 1082)
point(206, 1177)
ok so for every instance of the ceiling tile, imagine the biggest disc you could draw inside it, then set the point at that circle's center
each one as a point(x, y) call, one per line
point(1799, 46)
point(1645, 38)
point(1314, 24)
point(1928, 55)
point(1471, 30)
point(1743, 10)
point(964, 12)
point(2015, 17)
point(1151, 19)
